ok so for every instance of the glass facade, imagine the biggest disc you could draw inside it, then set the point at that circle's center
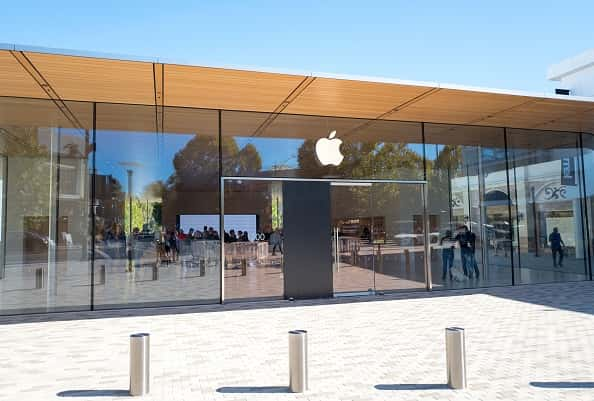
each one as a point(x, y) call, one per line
point(113, 205)
point(467, 185)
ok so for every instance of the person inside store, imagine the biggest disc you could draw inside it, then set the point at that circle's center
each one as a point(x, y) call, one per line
point(467, 241)
point(557, 246)
point(232, 236)
point(366, 234)
point(447, 244)
point(276, 240)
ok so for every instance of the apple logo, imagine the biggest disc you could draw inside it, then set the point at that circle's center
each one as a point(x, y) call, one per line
point(328, 150)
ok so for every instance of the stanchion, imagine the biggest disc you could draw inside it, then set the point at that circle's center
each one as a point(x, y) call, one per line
point(140, 362)
point(407, 259)
point(298, 361)
point(155, 273)
point(456, 357)
point(39, 278)
point(243, 267)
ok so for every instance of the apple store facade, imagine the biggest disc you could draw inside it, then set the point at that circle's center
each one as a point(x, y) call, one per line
point(136, 183)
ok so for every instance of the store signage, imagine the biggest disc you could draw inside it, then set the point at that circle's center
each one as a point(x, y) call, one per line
point(568, 171)
point(328, 150)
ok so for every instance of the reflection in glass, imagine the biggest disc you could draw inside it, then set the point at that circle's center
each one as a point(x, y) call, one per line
point(546, 179)
point(378, 237)
point(254, 240)
point(44, 224)
point(285, 146)
point(156, 240)
point(588, 162)
point(468, 206)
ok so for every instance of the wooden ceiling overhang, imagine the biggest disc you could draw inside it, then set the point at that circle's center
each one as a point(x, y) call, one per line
point(66, 79)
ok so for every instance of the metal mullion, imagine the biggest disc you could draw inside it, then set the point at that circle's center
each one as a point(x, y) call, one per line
point(93, 200)
point(221, 211)
point(509, 205)
point(584, 205)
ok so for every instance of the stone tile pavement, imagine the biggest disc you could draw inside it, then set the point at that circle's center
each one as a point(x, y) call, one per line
point(523, 343)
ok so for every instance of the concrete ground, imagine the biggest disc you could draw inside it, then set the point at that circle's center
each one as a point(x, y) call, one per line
point(523, 343)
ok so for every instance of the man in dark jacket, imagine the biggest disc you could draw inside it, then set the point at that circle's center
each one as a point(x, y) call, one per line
point(557, 245)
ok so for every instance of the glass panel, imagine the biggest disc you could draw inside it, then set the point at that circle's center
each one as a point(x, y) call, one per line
point(253, 239)
point(45, 155)
point(378, 237)
point(588, 147)
point(547, 191)
point(354, 230)
point(261, 144)
point(468, 206)
point(157, 206)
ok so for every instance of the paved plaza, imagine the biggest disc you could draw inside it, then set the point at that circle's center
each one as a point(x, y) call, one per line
point(523, 343)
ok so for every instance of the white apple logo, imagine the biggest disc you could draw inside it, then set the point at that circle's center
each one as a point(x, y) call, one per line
point(328, 150)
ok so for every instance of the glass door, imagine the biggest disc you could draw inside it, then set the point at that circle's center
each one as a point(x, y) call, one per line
point(378, 237)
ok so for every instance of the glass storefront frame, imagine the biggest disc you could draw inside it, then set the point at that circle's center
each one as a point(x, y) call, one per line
point(425, 217)
point(585, 186)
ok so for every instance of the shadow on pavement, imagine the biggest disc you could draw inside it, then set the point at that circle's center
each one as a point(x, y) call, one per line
point(94, 393)
point(552, 296)
point(412, 386)
point(563, 385)
point(254, 389)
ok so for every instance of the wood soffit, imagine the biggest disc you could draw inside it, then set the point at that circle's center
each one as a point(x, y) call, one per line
point(64, 79)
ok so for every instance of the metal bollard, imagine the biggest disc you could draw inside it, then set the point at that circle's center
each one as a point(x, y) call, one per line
point(243, 267)
point(155, 273)
point(39, 278)
point(102, 274)
point(456, 357)
point(140, 362)
point(298, 361)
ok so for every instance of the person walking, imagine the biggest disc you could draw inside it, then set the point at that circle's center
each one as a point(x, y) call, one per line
point(447, 254)
point(467, 241)
point(557, 246)
point(276, 240)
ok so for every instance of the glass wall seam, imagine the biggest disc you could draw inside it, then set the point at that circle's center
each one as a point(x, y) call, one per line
point(509, 203)
point(93, 205)
point(586, 217)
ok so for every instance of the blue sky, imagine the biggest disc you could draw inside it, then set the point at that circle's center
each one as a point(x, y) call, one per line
point(501, 44)
point(505, 44)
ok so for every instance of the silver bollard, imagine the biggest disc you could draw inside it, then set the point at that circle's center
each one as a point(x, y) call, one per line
point(298, 361)
point(456, 357)
point(155, 273)
point(102, 274)
point(140, 362)
point(38, 278)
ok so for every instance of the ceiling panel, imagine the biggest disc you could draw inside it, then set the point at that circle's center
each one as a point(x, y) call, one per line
point(456, 107)
point(15, 80)
point(94, 79)
point(44, 113)
point(348, 98)
point(218, 88)
point(541, 113)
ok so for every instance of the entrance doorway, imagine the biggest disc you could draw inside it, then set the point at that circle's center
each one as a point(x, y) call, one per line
point(378, 237)
point(309, 238)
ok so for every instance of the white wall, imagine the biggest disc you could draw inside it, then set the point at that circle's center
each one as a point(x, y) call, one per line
point(575, 73)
